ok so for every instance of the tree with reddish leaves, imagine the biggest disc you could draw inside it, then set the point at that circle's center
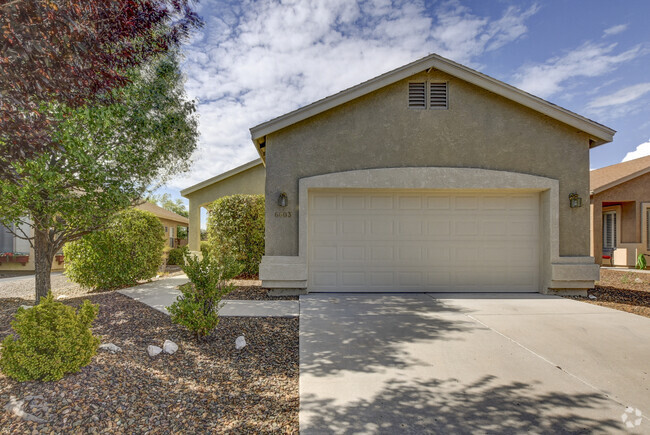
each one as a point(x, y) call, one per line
point(74, 53)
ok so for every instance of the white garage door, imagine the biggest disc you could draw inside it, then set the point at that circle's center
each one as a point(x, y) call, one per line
point(390, 240)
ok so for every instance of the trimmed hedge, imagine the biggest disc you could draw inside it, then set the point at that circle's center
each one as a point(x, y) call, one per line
point(129, 250)
point(236, 229)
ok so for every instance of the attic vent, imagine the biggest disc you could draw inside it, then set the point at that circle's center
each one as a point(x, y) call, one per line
point(417, 95)
point(438, 95)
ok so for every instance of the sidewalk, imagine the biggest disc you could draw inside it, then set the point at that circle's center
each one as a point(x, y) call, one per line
point(162, 293)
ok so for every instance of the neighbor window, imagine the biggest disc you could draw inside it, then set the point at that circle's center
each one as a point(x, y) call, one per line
point(609, 230)
point(6, 240)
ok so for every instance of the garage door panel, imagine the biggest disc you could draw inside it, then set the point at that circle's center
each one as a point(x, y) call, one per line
point(438, 203)
point(423, 241)
point(410, 202)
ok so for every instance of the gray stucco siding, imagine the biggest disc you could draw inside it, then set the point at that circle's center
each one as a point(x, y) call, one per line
point(479, 130)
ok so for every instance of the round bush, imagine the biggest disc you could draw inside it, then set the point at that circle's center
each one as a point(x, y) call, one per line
point(52, 339)
point(236, 229)
point(129, 250)
point(176, 256)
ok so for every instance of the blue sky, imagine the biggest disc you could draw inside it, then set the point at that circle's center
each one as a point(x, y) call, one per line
point(255, 60)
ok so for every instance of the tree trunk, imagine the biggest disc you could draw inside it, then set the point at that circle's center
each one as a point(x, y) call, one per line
point(43, 257)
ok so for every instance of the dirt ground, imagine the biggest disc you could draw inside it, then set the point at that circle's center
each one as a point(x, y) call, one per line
point(625, 290)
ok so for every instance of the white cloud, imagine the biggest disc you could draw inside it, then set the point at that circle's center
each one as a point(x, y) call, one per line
point(640, 151)
point(588, 60)
point(254, 61)
point(614, 30)
point(622, 96)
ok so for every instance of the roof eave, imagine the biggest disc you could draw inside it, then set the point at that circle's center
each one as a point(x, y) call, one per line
point(220, 177)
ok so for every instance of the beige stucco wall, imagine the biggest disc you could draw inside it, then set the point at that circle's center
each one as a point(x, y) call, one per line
point(479, 130)
point(630, 195)
point(248, 182)
point(167, 223)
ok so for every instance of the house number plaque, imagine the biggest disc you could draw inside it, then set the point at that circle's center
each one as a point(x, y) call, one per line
point(283, 214)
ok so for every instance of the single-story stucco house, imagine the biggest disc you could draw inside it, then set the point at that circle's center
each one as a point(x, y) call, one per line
point(620, 212)
point(431, 177)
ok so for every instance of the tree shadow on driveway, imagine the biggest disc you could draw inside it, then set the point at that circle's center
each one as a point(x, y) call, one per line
point(448, 406)
point(355, 332)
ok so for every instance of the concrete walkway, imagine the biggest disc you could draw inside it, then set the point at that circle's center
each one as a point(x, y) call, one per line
point(454, 363)
point(162, 293)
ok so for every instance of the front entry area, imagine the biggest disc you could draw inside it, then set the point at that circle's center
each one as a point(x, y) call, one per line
point(414, 240)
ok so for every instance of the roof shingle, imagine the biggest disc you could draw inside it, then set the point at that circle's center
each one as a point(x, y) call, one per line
point(609, 176)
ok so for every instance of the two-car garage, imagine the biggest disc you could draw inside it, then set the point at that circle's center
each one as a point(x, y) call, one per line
point(423, 240)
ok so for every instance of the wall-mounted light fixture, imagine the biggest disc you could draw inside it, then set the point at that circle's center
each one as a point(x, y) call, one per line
point(574, 200)
point(282, 200)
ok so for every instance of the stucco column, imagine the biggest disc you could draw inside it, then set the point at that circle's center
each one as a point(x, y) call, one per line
point(597, 231)
point(194, 230)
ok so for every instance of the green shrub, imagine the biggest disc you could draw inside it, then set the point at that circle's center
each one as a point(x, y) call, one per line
point(236, 229)
point(52, 339)
point(206, 249)
point(641, 262)
point(176, 256)
point(197, 307)
point(130, 249)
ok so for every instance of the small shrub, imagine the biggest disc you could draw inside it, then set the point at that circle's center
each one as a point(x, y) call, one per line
point(129, 250)
point(197, 307)
point(641, 262)
point(236, 229)
point(176, 256)
point(52, 339)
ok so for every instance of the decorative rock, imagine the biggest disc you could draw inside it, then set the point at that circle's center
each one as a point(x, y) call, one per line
point(27, 307)
point(61, 297)
point(153, 350)
point(110, 347)
point(240, 342)
point(592, 297)
point(170, 347)
point(638, 280)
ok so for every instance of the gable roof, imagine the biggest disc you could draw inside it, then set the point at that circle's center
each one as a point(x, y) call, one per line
point(598, 133)
point(613, 175)
point(163, 213)
point(220, 177)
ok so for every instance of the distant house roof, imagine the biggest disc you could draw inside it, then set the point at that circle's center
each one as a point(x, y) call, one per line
point(162, 213)
point(598, 133)
point(610, 176)
point(220, 177)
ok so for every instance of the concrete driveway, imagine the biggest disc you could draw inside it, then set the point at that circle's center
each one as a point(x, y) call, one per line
point(452, 363)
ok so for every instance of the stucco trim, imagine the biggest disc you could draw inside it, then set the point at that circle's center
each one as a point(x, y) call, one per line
point(599, 133)
point(220, 177)
point(294, 269)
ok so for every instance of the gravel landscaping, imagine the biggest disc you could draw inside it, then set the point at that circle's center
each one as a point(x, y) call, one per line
point(203, 387)
point(624, 290)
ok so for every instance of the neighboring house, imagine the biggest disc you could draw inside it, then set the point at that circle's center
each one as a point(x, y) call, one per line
point(170, 221)
point(432, 177)
point(22, 258)
point(245, 179)
point(620, 212)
